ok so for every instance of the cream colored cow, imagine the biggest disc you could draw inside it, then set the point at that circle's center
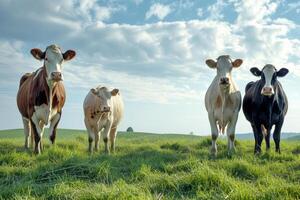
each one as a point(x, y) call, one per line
point(103, 110)
point(223, 101)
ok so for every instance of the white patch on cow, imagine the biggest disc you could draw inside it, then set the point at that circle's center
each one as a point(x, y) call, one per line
point(27, 131)
point(41, 113)
point(268, 71)
point(54, 117)
point(37, 73)
point(53, 60)
point(224, 67)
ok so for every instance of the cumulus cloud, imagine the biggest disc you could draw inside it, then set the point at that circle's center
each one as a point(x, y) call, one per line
point(216, 9)
point(158, 10)
point(200, 12)
point(255, 12)
point(171, 51)
point(137, 2)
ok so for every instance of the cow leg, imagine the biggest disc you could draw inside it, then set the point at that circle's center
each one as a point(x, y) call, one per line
point(258, 137)
point(214, 133)
point(276, 135)
point(231, 133)
point(53, 126)
point(112, 135)
point(27, 132)
point(97, 137)
point(105, 136)
point(255, 136)
point(37, 137)
point(91, 135)
point(267, 138)
point(42, 124)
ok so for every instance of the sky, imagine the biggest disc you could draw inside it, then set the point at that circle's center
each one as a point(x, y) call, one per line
point(153, 51)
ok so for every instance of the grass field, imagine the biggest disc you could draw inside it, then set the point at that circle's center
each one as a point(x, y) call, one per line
point(146, 166)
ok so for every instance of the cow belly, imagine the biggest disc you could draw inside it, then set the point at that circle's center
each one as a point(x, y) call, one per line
point(223, 117)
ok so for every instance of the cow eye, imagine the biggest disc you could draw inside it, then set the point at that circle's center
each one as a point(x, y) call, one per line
point(46, 59)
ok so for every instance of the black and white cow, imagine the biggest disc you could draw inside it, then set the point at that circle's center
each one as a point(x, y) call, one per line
point(265, 104)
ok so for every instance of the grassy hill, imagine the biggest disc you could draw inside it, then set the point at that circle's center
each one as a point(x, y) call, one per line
point(146, 166)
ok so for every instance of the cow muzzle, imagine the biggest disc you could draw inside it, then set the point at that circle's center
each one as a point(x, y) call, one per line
point(267, 91)
point(56, 76)
point(105, 109)
point(224, 81)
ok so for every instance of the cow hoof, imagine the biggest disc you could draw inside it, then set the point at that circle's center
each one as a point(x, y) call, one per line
point(52, 141)
point(257, 153)
point(37, 152)
point(213, 152)
point(231, 152)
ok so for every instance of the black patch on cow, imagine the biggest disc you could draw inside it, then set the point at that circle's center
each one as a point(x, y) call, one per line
point(41, 98)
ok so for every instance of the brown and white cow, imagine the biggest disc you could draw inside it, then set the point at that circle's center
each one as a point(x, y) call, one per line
point(41, 95)
point(103, 110)
point(223, 101)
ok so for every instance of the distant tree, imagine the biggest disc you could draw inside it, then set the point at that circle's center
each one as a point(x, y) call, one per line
point(191, 133)
point(129, 130)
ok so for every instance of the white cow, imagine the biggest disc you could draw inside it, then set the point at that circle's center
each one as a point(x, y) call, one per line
point(223, 101)
point(103, 110)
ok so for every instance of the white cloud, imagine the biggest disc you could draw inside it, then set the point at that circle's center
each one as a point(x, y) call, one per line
point(251, 12)
point(133, 87)
point(158, 10)
point(137, 2)
point(200, 12)
point(185, 4)
point(216, 9)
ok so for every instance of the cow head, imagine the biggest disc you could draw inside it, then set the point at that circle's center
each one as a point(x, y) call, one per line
point(104, 95)
point(53, 60)
point(268, 76)
point(224, 67)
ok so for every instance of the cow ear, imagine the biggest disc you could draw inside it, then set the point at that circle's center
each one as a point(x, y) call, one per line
point(237, 63)
point(114, 92)
point(282, 72)
point(255, 71)
point(94, 91)
point(37, 54)
point(211, 63)
point(69, 55)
